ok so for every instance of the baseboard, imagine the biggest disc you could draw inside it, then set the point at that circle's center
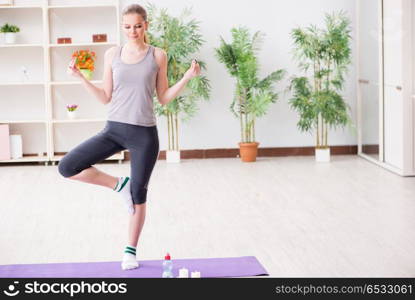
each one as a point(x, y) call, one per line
point(262, 152)
point(370, 149)
point(230, 153)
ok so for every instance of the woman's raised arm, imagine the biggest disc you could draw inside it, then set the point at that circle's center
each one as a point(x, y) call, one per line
point(103, 94)
point(164, 93)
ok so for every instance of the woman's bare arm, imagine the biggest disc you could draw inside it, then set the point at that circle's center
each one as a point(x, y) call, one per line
point(103, 94)
point(164, 93)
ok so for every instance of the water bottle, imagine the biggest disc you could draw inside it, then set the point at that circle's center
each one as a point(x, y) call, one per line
point(167, 267)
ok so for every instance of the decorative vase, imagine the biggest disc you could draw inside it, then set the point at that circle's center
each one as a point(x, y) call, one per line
point(323, 154)
point(172, 156)
point(72, 114)
point(87, 73)
point(248, 151)
point(10, 37)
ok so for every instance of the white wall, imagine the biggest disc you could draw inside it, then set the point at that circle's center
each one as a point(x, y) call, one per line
point(215, 126)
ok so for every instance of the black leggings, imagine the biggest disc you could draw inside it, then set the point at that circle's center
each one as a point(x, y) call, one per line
point(141, 141)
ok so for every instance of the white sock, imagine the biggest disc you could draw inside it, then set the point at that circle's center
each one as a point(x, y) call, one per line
point(124, 188)
point(129, 260)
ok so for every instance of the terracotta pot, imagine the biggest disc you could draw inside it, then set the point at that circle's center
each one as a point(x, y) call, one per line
point(248, 151)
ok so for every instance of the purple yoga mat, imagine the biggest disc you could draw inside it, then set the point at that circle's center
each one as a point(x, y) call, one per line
point(208, 267)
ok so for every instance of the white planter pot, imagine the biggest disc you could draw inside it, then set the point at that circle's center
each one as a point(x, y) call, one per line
point(71, 114)
point(16, 146)
point(10, 37)
point(322, 155)
point(172, 156)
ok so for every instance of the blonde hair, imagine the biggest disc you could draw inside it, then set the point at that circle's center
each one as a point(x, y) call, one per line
point(137, 9)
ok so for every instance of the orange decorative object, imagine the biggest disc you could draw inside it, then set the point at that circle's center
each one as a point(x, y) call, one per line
point(85, 59)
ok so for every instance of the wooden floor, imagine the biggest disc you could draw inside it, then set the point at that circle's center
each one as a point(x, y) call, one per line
point(348, 218)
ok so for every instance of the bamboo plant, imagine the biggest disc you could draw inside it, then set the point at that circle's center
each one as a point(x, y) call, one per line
point(181, 39)
point(252, 95)
point(327, 54)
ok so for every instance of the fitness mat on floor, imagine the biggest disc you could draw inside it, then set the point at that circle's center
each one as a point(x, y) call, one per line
point(244, 266)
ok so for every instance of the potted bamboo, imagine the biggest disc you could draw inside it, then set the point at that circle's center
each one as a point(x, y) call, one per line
point(252, 96)
point(10, 32)
point(326, 54)
point(181, 39)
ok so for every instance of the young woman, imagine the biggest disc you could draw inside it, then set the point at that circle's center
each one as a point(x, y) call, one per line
point(132, 73)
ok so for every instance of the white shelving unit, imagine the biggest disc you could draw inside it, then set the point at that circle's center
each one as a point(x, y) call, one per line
point(42, 99)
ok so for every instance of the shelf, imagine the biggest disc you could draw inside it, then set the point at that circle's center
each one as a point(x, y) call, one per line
point(81, 44)
point(20, 45)
point(55, 158)
point(72, 82)
point(53, 121)
point(22, 121)
point(20, 6)
point(26, 159)
point(79, 120)
point(114, 157)
point(57, 6)
point(20, 83)
point(81, 6)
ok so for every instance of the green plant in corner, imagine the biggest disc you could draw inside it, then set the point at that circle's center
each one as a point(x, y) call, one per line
point(317, 99)
point(252, 95)
point(180, 39)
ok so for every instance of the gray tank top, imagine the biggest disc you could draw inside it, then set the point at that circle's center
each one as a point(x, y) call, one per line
point(133, 90)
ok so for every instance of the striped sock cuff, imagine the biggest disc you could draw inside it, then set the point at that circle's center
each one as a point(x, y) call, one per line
point(122, 181)
point(130, 249)
point(114, 189)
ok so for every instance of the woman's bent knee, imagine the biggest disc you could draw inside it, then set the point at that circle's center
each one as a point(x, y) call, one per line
point(66, 169)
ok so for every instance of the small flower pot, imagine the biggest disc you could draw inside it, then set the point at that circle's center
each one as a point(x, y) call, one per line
point(322, 154)
point(72, 114)
point(248, 151)
point(87, 73)
point(172, 156)
point(10, 37)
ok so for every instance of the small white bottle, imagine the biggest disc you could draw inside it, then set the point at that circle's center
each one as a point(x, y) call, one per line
point(195, 274)
point(183, 273)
